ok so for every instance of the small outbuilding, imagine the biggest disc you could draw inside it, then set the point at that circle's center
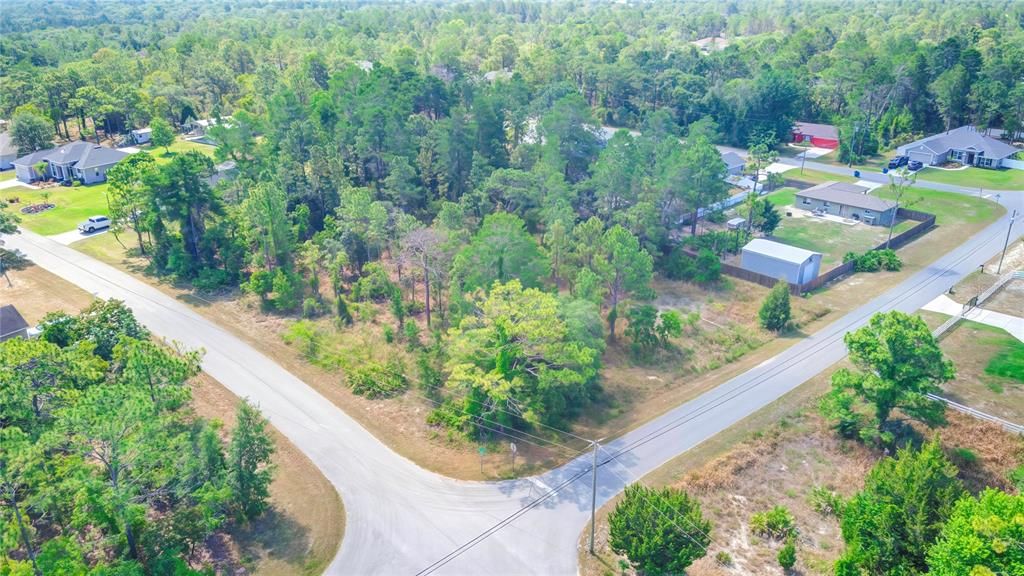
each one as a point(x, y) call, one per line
point(819, 135)
point(142, 135)
point(795, 265)
point(12, 324)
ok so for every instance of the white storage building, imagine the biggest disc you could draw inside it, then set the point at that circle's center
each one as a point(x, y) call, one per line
point(795, 265)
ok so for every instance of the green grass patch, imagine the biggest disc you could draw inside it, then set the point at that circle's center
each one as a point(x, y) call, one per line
point(832, 239)
point(7, 175)
point(73, 205)
point(812, 177)
point(179, 146)
point(1008, 362)
point(1004, 179)
point(782, 197)
point(948, 207)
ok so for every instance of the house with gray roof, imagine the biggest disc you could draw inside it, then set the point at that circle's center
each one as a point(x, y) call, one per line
point(965, 145)
point(81, 160)
point(12, 324)
point(847, 201)
point(8, 151)
point(777, 260)
point(733, 163)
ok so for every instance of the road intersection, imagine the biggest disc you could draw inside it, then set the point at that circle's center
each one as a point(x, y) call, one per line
point(402, 519)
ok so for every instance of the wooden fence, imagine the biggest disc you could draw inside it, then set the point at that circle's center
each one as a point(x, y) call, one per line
point(925, 222)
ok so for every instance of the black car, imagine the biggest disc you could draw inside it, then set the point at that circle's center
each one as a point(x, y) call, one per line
point(898, 161)
point(915, 165)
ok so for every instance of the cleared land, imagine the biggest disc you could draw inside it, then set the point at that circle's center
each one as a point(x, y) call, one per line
point(792, 452)
point(833, 239)
point(1003, 179)
point(989, 370)
point(304, 527)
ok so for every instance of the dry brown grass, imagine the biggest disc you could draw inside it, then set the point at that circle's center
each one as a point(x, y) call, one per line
point(35, 292)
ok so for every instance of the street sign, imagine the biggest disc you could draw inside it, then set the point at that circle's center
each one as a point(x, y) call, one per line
point(512, 447)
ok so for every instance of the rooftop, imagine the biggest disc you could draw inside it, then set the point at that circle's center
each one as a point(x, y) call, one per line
point(964, 138)
point(11, 321)
point(732, 159)
point(847, 195)
point(80, 154)
point(820, 130)
point(779, 251)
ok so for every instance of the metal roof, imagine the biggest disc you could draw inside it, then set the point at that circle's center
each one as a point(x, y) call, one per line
point(779, 251)
point(847, 195)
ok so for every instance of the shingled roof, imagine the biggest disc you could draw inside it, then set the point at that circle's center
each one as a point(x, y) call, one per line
point(847, 195)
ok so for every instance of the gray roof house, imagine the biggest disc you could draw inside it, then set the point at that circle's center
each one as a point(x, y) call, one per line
point(79, 160)
point(847, 201)
point(964, 145)
point(8, 151)
point(733, 163)
point(12, 325)
point(795, 265)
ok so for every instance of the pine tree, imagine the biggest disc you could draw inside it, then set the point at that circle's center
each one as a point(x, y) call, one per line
point(250, 471)
point(775, 312)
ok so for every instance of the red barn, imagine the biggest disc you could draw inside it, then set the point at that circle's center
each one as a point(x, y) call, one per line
point(820, 135)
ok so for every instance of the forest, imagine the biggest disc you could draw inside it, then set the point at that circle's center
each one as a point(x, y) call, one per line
point(502, 181)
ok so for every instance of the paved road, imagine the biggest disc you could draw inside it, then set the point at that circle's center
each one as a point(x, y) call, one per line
point(402, 519)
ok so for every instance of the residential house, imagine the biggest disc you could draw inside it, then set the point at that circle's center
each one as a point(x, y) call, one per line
point(8, 151)
point(142, 135)
point(819, 135)
point(12, 325)
point(965, 145)
point(847, 201)
point(81, 160)
point(777, 260)
point(199, 127)
point(734, 163)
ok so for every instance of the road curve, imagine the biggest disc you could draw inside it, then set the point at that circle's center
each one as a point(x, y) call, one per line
point(402, 519)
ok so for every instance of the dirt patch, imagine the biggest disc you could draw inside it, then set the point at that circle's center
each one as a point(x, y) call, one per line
point(782, 466)
point(35, 292)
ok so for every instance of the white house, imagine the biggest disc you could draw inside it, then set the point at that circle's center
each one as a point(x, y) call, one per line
point(964, 145)
point(795, 265)
point(79, 160)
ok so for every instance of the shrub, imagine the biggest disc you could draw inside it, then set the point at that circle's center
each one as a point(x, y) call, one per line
point(716, 217)
point(210, 279)
point(375, 380)
point(412, 334)
point(825, 501)
point(787, 556)
point(874, 260)
point(708, 268)
point(723, 558)
point(341, 310)
point(679, 265)
point(305, 335)
point(310, 308)
point(374, 285)
point(659, 531)
point(775, 312)
point(260, 283)
point(776, 524)
point(285, 289)
point(389, 334)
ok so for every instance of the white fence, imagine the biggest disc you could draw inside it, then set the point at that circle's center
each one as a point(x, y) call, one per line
point(1018, 164)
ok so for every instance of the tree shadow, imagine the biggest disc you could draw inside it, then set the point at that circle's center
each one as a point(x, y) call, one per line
point(275, 534)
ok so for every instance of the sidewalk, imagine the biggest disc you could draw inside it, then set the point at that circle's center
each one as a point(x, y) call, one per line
point(1014, 325)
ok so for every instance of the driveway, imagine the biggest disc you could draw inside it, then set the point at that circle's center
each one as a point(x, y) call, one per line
point(402, 519)
point(72, 236)
point(14, 183)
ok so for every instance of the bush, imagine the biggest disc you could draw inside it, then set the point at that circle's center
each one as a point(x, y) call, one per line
point(342, 312)
point(679, 265)
point(775, 312)
point(720, 242)
point(376, 380)
point(260, 283)
point(776, 524)
point(716, 217)
point(825, 501)
point(310, 308)
point(787, 556)
point(874, 260)
point(374, 285)
point(659, 531)
point(285, 289)
point(389, 334)
point(708, 267)
point(723, 558)
point(305, 335)
point(210, 279)
point(411, 331)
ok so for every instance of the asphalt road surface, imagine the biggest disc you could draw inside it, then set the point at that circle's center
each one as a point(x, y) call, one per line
point(402, 519)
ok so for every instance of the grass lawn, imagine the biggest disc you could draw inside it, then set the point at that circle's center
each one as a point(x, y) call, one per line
point(948, 207)
point(73, 205)
point(1006, 179)
point(7, 175)
point(989, 369)
point(178, 147)
point(832, 239)
point(811, 177)
point(782, 197)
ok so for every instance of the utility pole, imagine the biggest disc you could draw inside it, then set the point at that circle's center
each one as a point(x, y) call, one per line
point(593, 498)
point(803, 160)
point(1007, 242)
point(512, 449)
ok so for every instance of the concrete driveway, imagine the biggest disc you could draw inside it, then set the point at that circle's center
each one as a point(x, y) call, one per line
point(72, 236)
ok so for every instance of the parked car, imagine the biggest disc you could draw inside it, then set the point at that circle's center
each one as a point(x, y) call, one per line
point(898, 161)
point(94, 223)
point(915, 165)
